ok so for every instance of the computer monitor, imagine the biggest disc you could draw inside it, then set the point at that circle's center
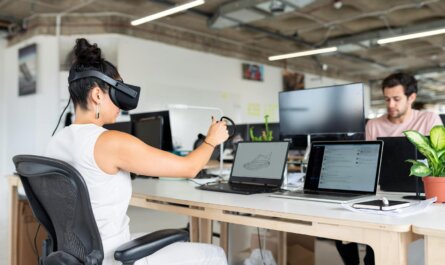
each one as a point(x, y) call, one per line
point(167, 143)
point(442, 117)
point(329, 113)
point(125, 126)
point(394, 174)
point(149, 130)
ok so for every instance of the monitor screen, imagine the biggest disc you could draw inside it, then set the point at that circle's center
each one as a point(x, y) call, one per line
point(326, 110)
point(149, 130)
point(167, 143)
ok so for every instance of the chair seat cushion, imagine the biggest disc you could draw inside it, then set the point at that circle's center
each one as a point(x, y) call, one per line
point(61, 258)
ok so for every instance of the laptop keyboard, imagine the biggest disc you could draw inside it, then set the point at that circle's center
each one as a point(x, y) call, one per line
point(336, 194)
point(251, 188)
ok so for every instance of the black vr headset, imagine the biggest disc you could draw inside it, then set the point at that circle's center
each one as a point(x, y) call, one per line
point(124, 96)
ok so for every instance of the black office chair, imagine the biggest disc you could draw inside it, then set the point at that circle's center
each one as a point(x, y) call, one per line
point(60, 201)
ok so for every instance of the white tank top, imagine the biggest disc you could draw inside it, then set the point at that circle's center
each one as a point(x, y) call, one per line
point(109, 194)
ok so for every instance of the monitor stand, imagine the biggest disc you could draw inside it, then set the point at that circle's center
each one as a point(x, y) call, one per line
point(306, 154)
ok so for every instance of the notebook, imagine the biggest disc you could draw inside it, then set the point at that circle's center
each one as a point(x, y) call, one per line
point(340, 171)
point(394, 175)
point(257, 168)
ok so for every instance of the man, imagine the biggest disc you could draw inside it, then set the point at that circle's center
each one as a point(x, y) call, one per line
point(400, 92)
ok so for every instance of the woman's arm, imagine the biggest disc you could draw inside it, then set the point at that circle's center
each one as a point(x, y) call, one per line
point(116, 151)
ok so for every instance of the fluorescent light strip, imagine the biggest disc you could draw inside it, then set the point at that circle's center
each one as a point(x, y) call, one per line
point(300, 54)
point(411, 36)
point(167, 12)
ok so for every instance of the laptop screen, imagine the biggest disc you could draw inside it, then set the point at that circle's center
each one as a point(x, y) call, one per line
point(352, 166)
point(259, 162)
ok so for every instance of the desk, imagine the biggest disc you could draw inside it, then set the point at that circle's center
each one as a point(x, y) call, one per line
point(431, 224)
point(388, 236)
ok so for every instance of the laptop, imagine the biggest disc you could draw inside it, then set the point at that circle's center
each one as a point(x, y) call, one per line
point(394, 175)
point(258, 167)
point(340, 172)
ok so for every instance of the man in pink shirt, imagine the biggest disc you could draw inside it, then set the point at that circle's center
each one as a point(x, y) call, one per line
point(400, 92)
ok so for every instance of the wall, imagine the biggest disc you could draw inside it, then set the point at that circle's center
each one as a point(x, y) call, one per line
point(4, 199)
point(26, 121)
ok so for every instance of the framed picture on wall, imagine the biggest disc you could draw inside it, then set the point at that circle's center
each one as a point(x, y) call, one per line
point(28, 70)
point(253, 72)
point(292, 80)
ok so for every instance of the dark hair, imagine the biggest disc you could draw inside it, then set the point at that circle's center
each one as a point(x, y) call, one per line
point(408, 82)
point(88, 57)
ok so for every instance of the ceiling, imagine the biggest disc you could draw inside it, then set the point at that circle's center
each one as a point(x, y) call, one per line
point(256, 29)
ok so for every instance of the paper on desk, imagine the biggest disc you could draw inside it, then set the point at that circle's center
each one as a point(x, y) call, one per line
point(414, 208)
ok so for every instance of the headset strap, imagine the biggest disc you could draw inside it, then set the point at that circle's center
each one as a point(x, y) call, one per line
point(114, 83)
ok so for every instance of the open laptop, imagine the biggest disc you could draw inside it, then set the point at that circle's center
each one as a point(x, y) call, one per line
point(340, 171)
point(257, 168)
point(394, 175)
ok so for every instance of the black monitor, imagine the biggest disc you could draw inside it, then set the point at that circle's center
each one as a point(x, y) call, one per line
point(167, 143)
point(149, 130)
point(442, 117)
point(394, 173)
point(327, 113)
point(120, 126)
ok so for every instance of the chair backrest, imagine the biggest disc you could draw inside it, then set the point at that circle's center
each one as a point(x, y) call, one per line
point(60, 201)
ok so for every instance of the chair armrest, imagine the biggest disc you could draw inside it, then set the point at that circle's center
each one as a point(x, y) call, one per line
point(149, 244)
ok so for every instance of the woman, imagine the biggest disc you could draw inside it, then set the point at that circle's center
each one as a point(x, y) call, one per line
point(104, 159)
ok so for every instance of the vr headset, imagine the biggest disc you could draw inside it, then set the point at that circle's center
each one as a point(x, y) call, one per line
point(124, 96)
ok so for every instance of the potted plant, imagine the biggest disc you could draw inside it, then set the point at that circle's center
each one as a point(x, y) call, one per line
point(265, 135)
point(432, 172)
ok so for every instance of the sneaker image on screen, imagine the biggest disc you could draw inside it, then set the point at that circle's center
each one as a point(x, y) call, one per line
point(260, 162)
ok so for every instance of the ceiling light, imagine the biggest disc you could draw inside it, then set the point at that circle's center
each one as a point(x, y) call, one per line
point(167, 12)
point(411, 36)
point(300, 54)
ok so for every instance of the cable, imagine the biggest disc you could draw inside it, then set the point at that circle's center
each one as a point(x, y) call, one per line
point(35, 243)
point(261, 248)
point(61, 115)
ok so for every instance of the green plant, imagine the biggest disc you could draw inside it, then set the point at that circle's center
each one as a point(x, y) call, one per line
point(433, 149)
point(265, 135)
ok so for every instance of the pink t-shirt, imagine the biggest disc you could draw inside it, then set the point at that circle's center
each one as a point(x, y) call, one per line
point(421, 121)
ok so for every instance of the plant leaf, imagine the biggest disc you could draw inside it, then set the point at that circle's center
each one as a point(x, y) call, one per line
point(423, 144)
point(419, 170)
point(437, 137)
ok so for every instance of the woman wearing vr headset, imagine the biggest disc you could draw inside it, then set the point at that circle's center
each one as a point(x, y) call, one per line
point(104, 158)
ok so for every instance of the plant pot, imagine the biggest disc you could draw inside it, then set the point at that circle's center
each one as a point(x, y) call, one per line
point(434, 187)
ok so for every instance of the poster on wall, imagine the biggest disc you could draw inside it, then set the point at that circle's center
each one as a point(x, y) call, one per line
point(253, 72)
point(28, 70)
point(292, 80)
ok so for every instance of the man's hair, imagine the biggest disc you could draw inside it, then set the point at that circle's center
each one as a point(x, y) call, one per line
point(407, 81)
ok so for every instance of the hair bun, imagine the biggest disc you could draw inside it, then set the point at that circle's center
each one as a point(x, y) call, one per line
point(87, 54)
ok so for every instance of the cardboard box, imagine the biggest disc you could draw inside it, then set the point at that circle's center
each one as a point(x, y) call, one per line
point(27, 227)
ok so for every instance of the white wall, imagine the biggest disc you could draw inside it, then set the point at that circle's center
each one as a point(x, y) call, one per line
point(4, 198)
point(26, 121)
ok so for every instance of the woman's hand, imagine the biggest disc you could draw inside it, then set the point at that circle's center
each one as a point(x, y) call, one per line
point(217, 132)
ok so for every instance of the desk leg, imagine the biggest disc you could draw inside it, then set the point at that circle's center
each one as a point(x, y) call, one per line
point(434, 250)
point(194, 229)
point(282, 248)
point(391, 248)
point(205, 230)
point(13, 220)
point(224, 237)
